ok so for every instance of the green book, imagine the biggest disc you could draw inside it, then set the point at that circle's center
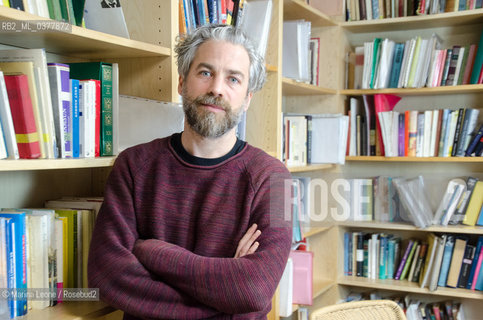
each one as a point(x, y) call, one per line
point(78, 7)
point(103, 72)
point(55, 12)
point(407, 265)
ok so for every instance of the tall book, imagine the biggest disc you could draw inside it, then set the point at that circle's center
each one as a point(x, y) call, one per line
point(103, 72)
point(61, 104)
point(23, 117)
point(74, 102)
point(456, 262)
point(17, 252)
point(6, 121)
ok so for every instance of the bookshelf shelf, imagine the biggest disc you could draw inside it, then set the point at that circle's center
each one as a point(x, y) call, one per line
point(408, 227)
point(415, 159)
point(291, 87)
point(81, 42)
point(408, 287)
point(298, 9)
point(461, 89)
point(72, 311)
point(53, 164)
point(310, 167)
point(447, 19)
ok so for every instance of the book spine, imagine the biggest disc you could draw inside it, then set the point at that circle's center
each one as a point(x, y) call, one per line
point(23, 116)
point(74, 84)
point(466, 266)
point(106, 147)
point(404, 260)
point(479, 245)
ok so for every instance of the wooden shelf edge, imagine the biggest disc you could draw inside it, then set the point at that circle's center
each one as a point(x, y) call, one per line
point(53, 164)
point(408, 227)
point(314, 231)
point(294, 9)
point(445, 18)
point(409, 287)
point(310, 167)
point(460, 89)
point(291, 87)
point(72, 311)
point(414, 159)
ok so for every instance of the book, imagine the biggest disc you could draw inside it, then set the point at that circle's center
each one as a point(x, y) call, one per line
point(302, 277)
point(468, 257)
point(325, 147)
point(18, 263)
point(26, 132)
point(474, 206)
point(38, 58)
point(256, 23)
point(62, 109)
point(429, 260)
point(102, 72)
point(451, 198)
point(6, 121)
point(74, 89)
point(456, 262)
point(474, 265)
point(446, 260)
point(438, 259)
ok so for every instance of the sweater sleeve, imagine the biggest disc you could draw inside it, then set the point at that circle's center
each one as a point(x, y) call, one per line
point(122, 280)
point(230, 285)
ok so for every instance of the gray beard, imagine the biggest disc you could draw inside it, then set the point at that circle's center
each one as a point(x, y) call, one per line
point(206, 123)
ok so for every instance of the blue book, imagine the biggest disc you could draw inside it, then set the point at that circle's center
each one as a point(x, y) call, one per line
point(383, 256)
point(396, 65)
point(347, 236)
point(479, 244)
point(479, 222)
point(447, 254)
point(390, 258)
point(74, 84)
point(17, 266)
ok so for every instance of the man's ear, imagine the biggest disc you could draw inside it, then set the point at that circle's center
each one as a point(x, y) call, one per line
point(248, 99)
point(180, 85)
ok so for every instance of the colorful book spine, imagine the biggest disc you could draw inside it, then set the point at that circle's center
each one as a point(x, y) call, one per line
point(405, 258)
point(74, 85)
point(447, 254)
point(23, 116)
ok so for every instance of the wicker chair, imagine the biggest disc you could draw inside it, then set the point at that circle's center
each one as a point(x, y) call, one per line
point(360, 310)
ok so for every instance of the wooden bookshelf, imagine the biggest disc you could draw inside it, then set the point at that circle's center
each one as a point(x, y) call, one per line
point(53, 164)
point(415, 159)
point(299, 9)
point(72, 311)
point(80, 42)
point(408, 287)
point(310, 167)
point(445, 90)
point(292, 87)
point(463, 229)
point(448, 19)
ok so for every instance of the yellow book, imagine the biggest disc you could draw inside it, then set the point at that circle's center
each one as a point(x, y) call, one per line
point(474, 206)
point(414, 63)
point(70, 243)
point(28, 69)
point(62, 250)
point(428, 261)
point(6, 3)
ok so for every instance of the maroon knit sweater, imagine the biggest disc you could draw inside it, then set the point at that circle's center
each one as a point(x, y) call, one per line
point(165, 237)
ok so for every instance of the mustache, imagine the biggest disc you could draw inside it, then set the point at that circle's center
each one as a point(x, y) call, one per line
point(210, 99)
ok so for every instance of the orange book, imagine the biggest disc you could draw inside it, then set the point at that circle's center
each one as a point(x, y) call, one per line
point(23, 118)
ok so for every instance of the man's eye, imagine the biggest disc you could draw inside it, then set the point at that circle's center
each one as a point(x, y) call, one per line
point(205, 73)
point(234, 80)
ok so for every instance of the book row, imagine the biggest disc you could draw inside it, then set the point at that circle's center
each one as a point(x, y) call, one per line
point(415, 63)
point(376, 128)
point(45, 249)
point(380, 9)
point(54, 110)
point(416, 309)
point(386, 199)
point(439, 261)
point(314, 138)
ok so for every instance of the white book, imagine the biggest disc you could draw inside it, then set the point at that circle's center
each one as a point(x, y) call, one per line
point(434, 133)
point(37, 256)
point(415, 42)
point(404, 63)
point(87, 92)
point(43, 8)
point(108, 20)
point(449, 139)
point(428, 122)
point(44, 101)
point(256, 22)
point(297, 140)
point(459, 62)
point(296, 38)
point(385, 63)
point(286, 290)
point(329, 138)
point(449, 202)
point(7, 122)
point(354, 108)
point(367, 69)
point(439, 243)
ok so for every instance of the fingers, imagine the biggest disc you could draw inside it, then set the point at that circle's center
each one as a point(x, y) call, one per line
point(247, 244)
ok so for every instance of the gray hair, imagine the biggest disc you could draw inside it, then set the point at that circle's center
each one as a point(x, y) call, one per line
point(186, 49)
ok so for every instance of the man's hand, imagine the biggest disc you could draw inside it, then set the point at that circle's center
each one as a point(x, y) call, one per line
point(247, 244)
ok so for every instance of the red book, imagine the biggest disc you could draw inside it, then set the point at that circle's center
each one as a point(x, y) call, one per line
point(383, 102)
point(480, 78)
point(23, 116)
point(97, 146)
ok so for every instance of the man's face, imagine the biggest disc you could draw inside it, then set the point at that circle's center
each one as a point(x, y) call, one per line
point(215, 89)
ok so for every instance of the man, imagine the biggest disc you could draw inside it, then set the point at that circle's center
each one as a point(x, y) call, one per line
point(192, 226)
